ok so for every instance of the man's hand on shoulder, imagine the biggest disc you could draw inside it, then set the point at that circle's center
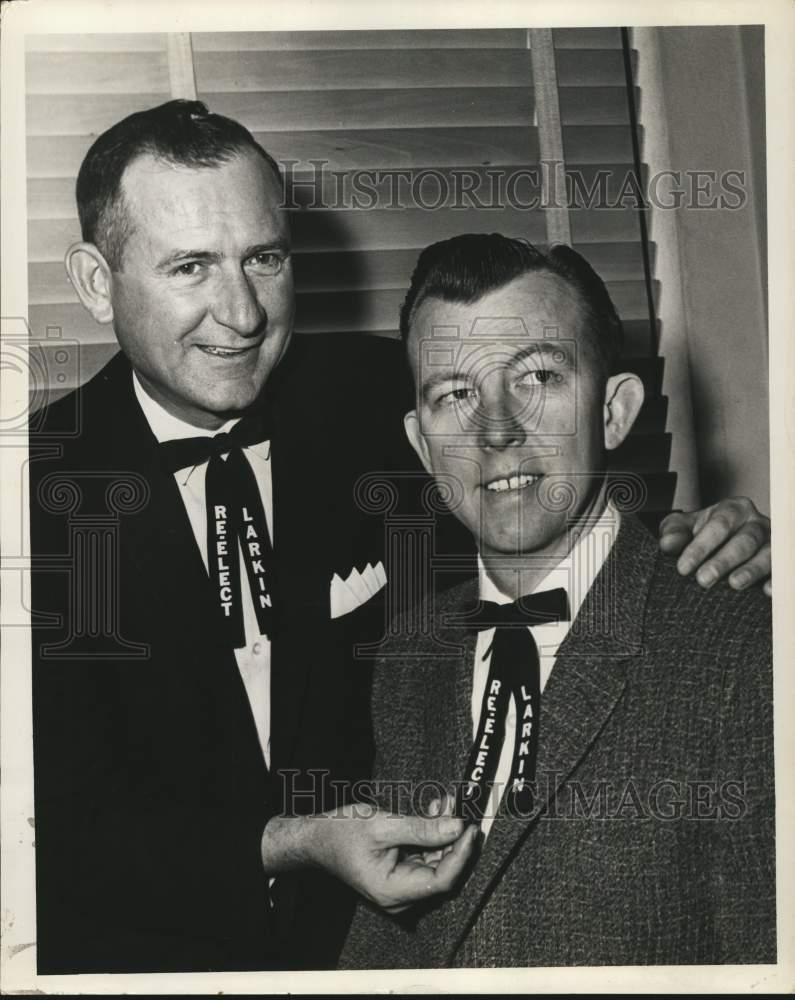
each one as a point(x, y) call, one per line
point(369, 849)
point(730, 538)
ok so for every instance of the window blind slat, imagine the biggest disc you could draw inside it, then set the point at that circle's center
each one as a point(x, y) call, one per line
point(408, 147)
point(417, 228)
point(347, 230)
point(587, 38)
point(261, 41)
point(53, 197)
point(652, 417)
point(78, 115)
point(643, 452)
point(60, 156)
point(84, 42)
point(97, 73)
point(378, 308)
point(293, 41)
point(90, 72)
point(380, 229)
point(433, 106)
point(505, 38)
point(389, 69)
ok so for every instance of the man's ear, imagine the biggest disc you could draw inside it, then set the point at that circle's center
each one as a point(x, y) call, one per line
point(411, 424)
point(623, 400)
point(91, 276)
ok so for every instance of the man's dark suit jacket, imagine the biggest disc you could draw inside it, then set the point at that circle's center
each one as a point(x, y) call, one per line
point(151, 788)
point(652, 841)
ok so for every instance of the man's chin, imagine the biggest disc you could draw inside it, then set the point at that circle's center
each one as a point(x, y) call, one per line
point(210, 411)
point(234, 401)
point(519, 543)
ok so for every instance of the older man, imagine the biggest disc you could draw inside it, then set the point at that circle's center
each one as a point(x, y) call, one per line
point(197, 706)
point(626, 814)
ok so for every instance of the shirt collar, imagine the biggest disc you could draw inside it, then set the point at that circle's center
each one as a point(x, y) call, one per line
point(166, 427)
point(577, 570)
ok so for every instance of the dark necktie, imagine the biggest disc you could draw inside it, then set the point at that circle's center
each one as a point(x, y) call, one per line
point(514, 671)
point(234, 515)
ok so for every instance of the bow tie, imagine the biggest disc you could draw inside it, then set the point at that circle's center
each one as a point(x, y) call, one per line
point(531, 609)
point(237, 529)
point(186, 452)
point(514, 673)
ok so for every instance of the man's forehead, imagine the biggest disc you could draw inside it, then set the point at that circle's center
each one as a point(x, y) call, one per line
point(149, 178)
point(533, 306)
point(171, 206)
point(536, 313)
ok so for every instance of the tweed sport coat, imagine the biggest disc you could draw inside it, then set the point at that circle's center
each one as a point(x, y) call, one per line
point(652, 836)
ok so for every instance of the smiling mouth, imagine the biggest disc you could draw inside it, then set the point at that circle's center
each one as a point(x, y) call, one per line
point(225, 352)
point(511, 483)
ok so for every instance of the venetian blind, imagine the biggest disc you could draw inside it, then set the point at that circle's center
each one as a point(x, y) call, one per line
point(392, 139)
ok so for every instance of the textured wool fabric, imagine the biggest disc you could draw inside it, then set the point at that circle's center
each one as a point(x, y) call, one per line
point(652, 841)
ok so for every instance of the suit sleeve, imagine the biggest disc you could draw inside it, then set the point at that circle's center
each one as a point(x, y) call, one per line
point(376, 939)
point(743, 875)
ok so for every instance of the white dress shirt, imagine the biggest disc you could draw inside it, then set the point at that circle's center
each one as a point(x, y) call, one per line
point(576, 573)
point(254, 659)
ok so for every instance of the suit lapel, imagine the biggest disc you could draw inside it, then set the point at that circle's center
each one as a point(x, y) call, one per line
point(159, 539)
point(448, 732)
point(300, 479)
point(163, 547)
point(586, 683)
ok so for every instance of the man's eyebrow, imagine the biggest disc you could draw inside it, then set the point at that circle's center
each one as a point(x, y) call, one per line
point(209, 256)
point(179, 256)
point(561, 352)
point(439, 377)
point(281, 245)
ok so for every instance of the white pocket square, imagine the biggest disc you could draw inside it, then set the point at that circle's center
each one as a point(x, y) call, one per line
point(356, 589)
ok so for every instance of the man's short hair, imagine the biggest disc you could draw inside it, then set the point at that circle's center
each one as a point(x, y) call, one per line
point(178, 132)
point(465, 268)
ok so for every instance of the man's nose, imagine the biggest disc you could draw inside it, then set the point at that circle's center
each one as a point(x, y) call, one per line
point(500, 423)
point(236, 306)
